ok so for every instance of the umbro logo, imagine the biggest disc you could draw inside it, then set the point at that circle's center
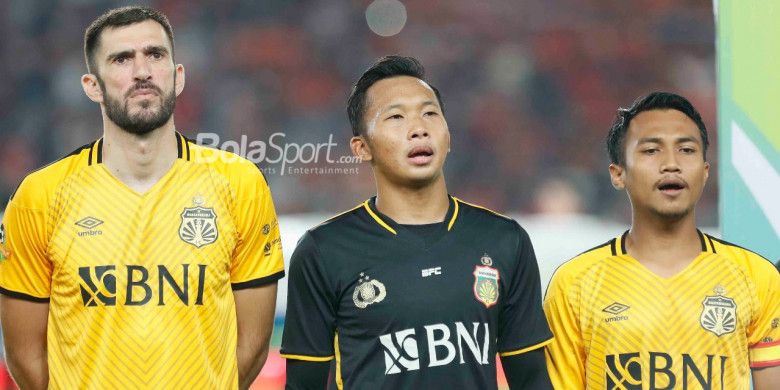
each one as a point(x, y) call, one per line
point(89, 223)
point(614, 309)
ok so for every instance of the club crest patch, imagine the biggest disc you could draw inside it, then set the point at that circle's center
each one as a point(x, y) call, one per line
point(486, 282)
point(719, 314)
point(198, 226)
point(368, 292)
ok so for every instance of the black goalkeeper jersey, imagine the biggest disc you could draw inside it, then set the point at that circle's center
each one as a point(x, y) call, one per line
point(396, 313)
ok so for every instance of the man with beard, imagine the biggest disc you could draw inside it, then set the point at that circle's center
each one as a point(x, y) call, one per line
point(663, 306)
point(413, 288)
point(140, 260)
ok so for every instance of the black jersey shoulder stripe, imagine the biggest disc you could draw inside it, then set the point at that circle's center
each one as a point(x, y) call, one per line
point(723, 242)
point(483, 208)
point(71, 154)
point(339, 215)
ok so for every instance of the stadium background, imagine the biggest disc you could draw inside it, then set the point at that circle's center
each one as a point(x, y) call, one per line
point(530, 89)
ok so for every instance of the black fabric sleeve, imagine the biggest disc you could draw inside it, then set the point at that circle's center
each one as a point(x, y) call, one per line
point(522, 323)
point(527, 371)
point(309, 325)
point(303, 375)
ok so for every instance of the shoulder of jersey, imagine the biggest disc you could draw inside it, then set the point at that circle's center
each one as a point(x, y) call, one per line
point(471, 210)
point(586, 260)
point(39, 186)
point(740, 254)
point(339, 219)
point(227, 163)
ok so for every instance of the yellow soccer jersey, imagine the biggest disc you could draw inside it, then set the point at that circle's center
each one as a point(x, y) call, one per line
point(617, 325)
point(140, 286)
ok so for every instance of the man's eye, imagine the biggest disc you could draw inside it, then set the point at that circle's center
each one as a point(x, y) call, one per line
point(650, 151)
point(396, 116)
point(688, 150)
point(431, 113)
point(156, 56)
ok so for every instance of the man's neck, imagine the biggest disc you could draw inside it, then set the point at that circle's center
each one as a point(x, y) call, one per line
point(414, 206)
point(139, 161)
point(663, 246)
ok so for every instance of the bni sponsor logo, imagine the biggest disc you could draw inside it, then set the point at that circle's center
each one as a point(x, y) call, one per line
point(445, 343)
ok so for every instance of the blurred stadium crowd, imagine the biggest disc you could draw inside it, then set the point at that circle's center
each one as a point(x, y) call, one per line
point(530, 87)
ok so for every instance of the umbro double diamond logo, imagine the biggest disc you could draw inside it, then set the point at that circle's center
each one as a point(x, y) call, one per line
point(89, 223)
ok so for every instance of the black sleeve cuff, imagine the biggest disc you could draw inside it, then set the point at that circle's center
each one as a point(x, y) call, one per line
point(23, 296)
point(258, 282)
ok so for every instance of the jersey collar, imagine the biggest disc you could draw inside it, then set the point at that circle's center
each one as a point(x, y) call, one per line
point(393, 227)
point(96, 150)
point(618, 245)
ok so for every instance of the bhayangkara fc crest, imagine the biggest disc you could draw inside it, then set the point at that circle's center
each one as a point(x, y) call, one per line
point(486, 285)
point(198, 226)
point(719, 315)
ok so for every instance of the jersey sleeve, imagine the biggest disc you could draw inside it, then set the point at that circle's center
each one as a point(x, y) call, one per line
point(565, 354)
point(309, 325)
point(522, 326)
point(764, 331)
point(257, 259)
point(26, 271)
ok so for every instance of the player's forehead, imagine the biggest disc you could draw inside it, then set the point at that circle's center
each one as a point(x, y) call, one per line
point(399, 91)
point(135, 36)
point(666, 125)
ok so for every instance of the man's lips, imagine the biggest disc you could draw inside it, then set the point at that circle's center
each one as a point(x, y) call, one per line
point(420, 155)
point(671, 186)
point(143, 92)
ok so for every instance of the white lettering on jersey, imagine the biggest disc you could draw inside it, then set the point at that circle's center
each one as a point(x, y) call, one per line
point(434, 343)
point(402, 351)
point(431, 271)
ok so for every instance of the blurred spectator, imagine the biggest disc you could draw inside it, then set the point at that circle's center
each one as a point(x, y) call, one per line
point(530, 86)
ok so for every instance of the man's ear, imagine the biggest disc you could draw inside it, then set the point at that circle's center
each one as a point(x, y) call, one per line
point(360, 148)
point(89, 83)
point(179, 85)
point(617, 175)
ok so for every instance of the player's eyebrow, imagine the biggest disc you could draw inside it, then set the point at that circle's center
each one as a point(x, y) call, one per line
point(130, 52)
point(649, 140)
point(401, 106)
point(682, 140)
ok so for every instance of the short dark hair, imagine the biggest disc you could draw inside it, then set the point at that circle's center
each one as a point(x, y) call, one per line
point(653, 101)
point(119, 17)
point(386, 67)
